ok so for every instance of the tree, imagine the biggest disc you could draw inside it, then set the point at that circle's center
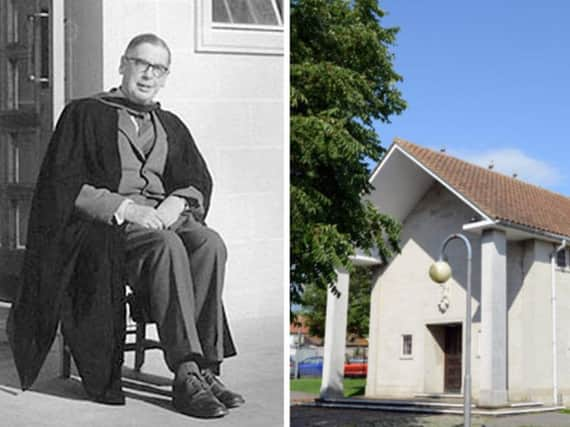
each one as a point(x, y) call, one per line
point(314, 305)
point(342, 80)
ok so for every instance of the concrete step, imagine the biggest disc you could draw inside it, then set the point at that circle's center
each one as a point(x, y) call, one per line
point(397, 402)
point(433, 407)
point(457, 400)
point(440, 396)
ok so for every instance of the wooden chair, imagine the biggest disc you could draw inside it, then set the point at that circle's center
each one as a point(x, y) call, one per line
point(139, 346)
point(141, 343)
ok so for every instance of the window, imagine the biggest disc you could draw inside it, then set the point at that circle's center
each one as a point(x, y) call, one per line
point(561, 259)
point(406, 346)
point(240, 26)
point(251, 12)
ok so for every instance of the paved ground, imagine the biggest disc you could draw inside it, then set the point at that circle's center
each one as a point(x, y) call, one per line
point(327, 417)
point(257, 372)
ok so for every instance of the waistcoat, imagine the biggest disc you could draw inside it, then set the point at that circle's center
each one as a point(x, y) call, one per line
point(142, 170)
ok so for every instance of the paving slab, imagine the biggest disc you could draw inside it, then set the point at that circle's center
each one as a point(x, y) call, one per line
point(257, 372)
point(302, 416)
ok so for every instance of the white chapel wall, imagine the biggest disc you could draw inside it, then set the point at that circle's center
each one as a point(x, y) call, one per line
point(404, 299)
point(563, 331)
point(530, 324)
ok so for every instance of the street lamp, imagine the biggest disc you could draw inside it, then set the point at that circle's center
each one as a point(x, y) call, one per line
point(440, 272)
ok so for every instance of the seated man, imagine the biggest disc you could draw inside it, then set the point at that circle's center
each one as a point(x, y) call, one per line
point(121, 198)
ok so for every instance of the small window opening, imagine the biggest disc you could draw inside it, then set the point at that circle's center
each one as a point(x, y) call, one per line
point(406, 345)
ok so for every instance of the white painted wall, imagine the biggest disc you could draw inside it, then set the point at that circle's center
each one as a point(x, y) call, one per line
point(233, 105)
point(563, 331)
point(530, 324)
point(404, 299)
point(536, 321)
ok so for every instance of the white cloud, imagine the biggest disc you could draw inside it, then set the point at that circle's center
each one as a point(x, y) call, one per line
point(511, 160)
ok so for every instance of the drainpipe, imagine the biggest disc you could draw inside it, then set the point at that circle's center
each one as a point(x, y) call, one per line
point(554, 341)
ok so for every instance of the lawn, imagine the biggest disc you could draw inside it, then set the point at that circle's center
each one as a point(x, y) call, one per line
point(352, 386)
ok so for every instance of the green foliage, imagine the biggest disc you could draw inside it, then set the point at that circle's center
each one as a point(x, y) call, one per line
point(342, 80)
point(314, 300)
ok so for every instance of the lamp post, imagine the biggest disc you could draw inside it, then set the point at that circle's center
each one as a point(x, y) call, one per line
point(440, 272)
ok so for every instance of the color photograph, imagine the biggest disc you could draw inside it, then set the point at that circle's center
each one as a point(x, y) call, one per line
point(430, 213)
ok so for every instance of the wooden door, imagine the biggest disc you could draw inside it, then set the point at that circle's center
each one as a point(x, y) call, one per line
point(25, 123)
point(453, 359)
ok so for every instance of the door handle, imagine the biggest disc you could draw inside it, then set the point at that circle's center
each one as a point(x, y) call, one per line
point(38, 57)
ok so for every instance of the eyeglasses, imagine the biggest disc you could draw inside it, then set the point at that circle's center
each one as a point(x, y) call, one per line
point(142, 66)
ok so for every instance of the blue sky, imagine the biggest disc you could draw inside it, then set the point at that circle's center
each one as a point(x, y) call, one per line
point(487, 80)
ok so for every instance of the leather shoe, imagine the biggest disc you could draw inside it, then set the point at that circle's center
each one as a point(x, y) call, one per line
point(227, 397)
point(113, 395)
point(191, 396)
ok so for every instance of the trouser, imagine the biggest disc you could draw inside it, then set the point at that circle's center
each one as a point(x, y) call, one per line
point(178, 275)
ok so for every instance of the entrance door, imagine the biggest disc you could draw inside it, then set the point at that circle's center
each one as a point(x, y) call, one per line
point(25, 123)
point(452, 359)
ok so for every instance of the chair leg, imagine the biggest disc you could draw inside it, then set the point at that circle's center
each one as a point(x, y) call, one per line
point(65, 361)
point(140, 345)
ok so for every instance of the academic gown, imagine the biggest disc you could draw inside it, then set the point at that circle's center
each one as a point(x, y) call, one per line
point(73, 267)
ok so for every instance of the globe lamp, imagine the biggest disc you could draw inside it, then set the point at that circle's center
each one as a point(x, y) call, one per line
point(440, 272)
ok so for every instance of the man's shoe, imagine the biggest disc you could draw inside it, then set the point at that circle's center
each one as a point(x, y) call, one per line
point(111, 397)
point(227, 397)
point(191, 396)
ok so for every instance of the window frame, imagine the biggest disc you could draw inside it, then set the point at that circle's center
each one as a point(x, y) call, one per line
point(218, 37)
point(402, 346)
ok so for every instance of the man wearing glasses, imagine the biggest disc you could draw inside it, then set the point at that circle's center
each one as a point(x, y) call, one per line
point(121, 198)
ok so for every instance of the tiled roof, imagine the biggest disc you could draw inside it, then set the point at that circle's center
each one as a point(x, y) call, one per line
point(499, 196)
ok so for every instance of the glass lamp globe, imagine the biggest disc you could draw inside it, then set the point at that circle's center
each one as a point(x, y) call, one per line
point(440, 272)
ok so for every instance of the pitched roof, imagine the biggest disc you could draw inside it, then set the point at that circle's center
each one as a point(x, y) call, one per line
point(499, 196)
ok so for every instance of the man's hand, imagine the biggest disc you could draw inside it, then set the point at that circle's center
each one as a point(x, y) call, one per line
point(170, 209)
point(143, 215)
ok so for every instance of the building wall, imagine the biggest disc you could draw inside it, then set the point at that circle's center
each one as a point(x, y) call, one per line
point(530, 323)
point(529, 299)
point(233, 105)
point(563, 331)
point(404, 300)
point(519, 262)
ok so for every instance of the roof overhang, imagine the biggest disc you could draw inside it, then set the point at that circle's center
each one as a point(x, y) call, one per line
point(400, 181)
point(514, 231)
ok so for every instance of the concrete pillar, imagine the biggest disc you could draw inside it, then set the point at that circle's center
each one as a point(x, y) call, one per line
point(335, 339)
point(493, 344)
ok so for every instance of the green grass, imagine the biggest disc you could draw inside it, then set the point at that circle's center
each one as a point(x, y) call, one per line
point(352, 386)
point(565, 411)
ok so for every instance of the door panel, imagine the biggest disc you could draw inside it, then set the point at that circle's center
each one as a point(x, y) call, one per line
point(25, 123)
point(453, 358)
